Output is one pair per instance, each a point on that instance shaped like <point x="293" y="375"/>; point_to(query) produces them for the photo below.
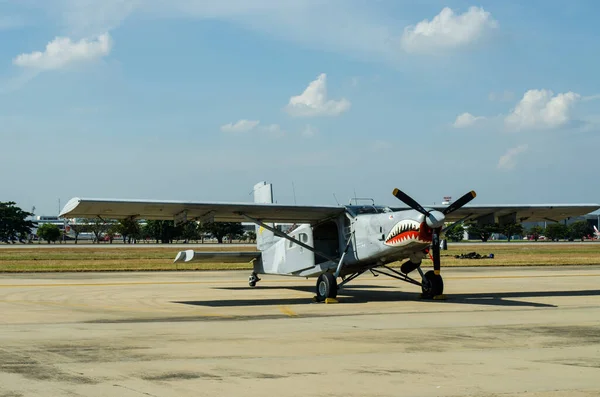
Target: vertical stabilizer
<point x="263" y="194"/>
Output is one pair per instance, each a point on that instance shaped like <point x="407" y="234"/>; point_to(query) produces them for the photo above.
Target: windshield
<point x="368" y="209"/>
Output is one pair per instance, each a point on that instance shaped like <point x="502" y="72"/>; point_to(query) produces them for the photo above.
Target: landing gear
<point x="253" y="279"/>
<point x="326" y="287"/>
<point x="433" y="285"/>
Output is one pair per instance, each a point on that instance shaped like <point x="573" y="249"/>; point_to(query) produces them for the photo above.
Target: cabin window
<point x="303" y="237"/>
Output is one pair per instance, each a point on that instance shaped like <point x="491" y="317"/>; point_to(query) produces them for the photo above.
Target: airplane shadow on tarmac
<point x="366" y="293"/>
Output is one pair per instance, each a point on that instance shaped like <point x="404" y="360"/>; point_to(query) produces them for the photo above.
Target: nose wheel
<point x="433" y="285"/>
<point x="326" y="287"/>
<point x="253" y="279"/>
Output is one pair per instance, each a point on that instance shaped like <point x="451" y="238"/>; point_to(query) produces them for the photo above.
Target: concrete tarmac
<point x="501" y="332"/>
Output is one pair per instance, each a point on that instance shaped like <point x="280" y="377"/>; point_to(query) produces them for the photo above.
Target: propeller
<point x="435" y="219"/>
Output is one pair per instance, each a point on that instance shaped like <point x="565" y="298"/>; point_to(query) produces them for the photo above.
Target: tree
<point x="456" y="233"/>
<point x="111" y="230"/>
<point x="190" y="231"/>
<point x="221" y="229"/>
<point x="483" y="231"/>
<point x="165" y="231"/>
<point x="557" y="231"/>
<point x="49" y="232"/>
<point x="128" y="228"/>
<point x="77" y="230"/>
<point x="96" y="226"/>
<point x="13" y="223"/>
<point x="580" y="229"/>
<point x="536" y="232"/>
<point x="510" y="229"/>
<point x="251" y="236"/>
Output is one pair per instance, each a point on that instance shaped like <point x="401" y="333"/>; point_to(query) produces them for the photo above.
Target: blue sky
<point x="199" y="100"/>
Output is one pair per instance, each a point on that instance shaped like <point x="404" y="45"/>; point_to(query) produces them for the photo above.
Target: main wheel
<point x="326" y="287"/>
<point x="253" y="279"/>
<point x="433" y="285"/>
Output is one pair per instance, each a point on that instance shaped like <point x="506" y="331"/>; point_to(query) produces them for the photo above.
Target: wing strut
<point x="282" y="234"/>
<point x="341" y="262"/>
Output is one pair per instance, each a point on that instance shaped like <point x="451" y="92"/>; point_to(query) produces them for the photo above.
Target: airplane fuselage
<point x="373" y="236"/>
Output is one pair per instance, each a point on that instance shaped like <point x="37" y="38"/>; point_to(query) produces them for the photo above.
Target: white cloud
<point x="309" y="131"/>
<point x="542" y="109"/>
<point x="274" y="130"/>
<point x="590" y="98"/>
<point x="61" y="52"/>
<point x="240" y="126"/>
<point x="313" y="101"/>
<point x="466" y="120"/>
<point x="508" y="161"/>
<point x="447" y="30"/>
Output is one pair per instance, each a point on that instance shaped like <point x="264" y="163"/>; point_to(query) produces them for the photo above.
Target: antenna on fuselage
<point x="294" y="190"/>
<point x="338" y="203"/>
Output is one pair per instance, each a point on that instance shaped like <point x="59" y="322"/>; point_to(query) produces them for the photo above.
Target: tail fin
<point x="263" y="194"/>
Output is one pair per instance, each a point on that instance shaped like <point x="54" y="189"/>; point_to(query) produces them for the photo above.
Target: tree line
<point x="14" y="226"/>
<point x="578" y="230"/>
<point x="160" y="231"/>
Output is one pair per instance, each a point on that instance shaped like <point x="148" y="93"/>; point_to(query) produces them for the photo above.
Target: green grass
<point x="71" y="259"/>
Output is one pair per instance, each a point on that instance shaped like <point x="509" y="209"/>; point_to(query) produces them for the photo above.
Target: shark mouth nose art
<point x="408" y="231"/>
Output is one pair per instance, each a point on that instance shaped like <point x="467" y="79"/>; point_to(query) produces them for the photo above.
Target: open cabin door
<point x="288" y="257"/>
<point x="297" y="257"/>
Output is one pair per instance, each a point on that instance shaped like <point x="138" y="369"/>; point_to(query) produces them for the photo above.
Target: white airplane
<point x="596" y="232"/>
<point x="330" y="242"/>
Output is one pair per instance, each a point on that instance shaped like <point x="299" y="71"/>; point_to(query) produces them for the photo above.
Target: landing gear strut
<point x="326" y="287"/>
<point x="253" y="279"/>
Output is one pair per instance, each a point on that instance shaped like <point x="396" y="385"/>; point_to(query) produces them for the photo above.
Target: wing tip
<point x="70" y="206"/>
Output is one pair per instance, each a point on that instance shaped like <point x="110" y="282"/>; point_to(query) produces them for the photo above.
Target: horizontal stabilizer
<point x="216" y="257"/>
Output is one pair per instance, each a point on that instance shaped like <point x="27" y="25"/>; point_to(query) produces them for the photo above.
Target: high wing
<point x="206" y="212"/>
<point x="519" y="213"/>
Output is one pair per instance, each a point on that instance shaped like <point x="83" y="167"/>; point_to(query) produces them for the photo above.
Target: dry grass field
<point x="90" y="258"/>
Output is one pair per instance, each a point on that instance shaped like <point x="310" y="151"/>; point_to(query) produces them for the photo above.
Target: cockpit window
<point x="368" y="209"/>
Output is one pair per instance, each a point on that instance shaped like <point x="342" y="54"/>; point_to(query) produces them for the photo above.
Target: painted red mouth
<point x="407" y="232"/>
<point x="411" y="234"/>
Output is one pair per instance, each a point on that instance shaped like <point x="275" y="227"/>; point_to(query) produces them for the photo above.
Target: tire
<point x="433" y="285"/>
<point x="253" y="279"/>
<point x="326" y="287"/>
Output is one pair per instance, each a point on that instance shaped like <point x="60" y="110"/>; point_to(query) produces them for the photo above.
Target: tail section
<point x="263" y="194"/>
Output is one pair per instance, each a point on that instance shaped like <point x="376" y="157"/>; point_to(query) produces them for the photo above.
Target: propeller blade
<point x="406" y="199"/>
<point x="460" y="202"/>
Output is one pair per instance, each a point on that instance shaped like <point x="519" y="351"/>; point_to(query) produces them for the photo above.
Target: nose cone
<point x="435" y="219"/>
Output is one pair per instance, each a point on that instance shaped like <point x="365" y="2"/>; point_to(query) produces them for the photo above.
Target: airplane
<point x="596" y="232"/>
<point x="330" y="242"/>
